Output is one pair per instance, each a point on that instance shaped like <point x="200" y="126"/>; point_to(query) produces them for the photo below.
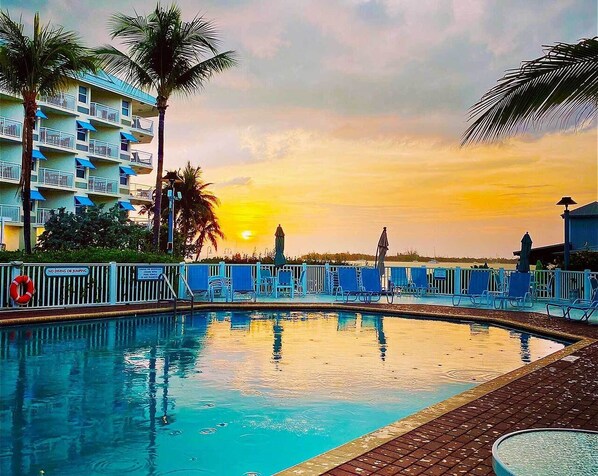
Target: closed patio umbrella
<point x="526" y="248"/>
<point x="279" y="259"/>
<point x="381" y="251"/>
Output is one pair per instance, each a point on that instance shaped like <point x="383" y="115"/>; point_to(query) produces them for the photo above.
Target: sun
<point x="247" y="234"/>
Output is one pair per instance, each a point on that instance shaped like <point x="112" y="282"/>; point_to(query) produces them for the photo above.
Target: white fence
<point x="76" y="284"/>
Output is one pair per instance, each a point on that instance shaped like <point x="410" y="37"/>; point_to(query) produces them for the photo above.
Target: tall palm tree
<point x="42" y="64"/>
<point x="560" y="86"/>
<point x="166" y="55"/>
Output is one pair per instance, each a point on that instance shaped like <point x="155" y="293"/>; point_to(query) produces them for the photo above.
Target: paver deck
<point x="559" y="391"/>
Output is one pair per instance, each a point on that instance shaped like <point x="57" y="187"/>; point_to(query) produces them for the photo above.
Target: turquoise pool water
<point x="228" y="393"/>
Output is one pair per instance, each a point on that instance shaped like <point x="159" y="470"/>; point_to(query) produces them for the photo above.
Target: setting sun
<point x="246" y="235"/>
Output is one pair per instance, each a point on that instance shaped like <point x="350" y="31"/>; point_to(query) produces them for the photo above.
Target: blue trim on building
<point x="86" y="125"/>
<point x="36" y="195"/>
<point x="129" y="137"/>
<point x="127" y="170"/>
<point x="85" y="201"/>
<point x="118" y="86"/>
<point x="126" y="206"/>
<point x="85" y="162"/>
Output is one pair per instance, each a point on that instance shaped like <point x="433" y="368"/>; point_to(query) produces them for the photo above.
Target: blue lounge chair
<point x="348" y="288"/>
<point x="242" y="282"/>
<point x="477" y="291"/>
<point x="398" y="280"/>
<point x="284" y="283"/>
<point x="583" y="308"/>
<point x="419" y="278"/>
<point x="198" y="276"/>
<point x="371" y="290"/>
<point x="518" y="293"/>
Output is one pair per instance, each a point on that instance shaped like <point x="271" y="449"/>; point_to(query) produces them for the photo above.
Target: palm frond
<point x="560" y="86"/>
<point x="195" y="77"/>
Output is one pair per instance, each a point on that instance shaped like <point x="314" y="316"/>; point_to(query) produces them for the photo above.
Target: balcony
<point x="103" y="149"/>
<point x="141" y="193"/>
<point x="105" y="113"/>
<point x="10" y="171"/>
<point x="62" y="101"/>
<point x="43" y="215"/>
<point x="102" y="185"/>
<point x="11" y="213"/>
<point x="10" y="129"/>
<point x="54" y="138"/>
<point x="55" y="178"/>
<point x="141" y="158"/>
<point x="145" y="126"/>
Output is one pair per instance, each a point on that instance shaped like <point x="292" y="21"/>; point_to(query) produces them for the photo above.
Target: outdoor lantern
<point x="566" y="201"/>
<point x="171" y="177"/>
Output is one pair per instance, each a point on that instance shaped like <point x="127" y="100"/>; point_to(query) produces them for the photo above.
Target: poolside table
<point x="546" y="452"/>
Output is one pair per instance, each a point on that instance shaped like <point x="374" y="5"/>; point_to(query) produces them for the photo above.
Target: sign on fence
<point x="149" y="273"/>
<point x="439" y="273"/>
<point x="60" y="271"/>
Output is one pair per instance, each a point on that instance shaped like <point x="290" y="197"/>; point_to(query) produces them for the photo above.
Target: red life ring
<point x="14" y="289"/>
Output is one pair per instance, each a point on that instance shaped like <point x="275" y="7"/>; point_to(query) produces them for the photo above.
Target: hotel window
<point x="81" y="134"/>
<point x="126" y="108"/>
<point x="80" y="171"/>
<point x="83" y="92"/>
<point x="33" y="165"/>
<point x="124" y="178"/>
<point x="124" y="145"/>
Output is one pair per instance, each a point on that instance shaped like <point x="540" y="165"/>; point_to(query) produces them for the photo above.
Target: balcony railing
<point x="103" y="149"/>
<point x="56" y="138"/>
<point x="106" y="113"/>
<point x="63" y="101"/>
<point x="10" y="171"/>
<point x="141" y="158"/>
<point x="58" y="178"/>
<point x="42" y="215"/>
<point x="141" y="192"/>
<point x="102" y="185"/>
<point x="10" y="128"/>
<point x="11" y="213"/>
<point x="142" y="124"/>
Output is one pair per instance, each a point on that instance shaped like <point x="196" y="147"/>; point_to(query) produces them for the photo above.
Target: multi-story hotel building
<point x="84" y="152"/>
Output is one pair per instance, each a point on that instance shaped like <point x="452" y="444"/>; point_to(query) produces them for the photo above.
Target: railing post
<point x="304" y="278"/>
<point x="222" y="269"/>
<point x="327" y="289"/>
<point x="457" y="284"/>
<point x="587" y="286"/>
<point x="112" y="283"/>
<point x="182" y="287"/>
<point x="258" y="276"/>
<point x="15" y="270"/>
<point x="558" y="283"/>
<point x="501" y="279"/>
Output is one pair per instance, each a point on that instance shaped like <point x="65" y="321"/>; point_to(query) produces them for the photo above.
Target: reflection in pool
<point x="229" y="393"/>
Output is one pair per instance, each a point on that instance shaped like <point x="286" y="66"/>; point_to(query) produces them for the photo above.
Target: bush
<point x="88" y="255"/>
<point x="581" y="260"/>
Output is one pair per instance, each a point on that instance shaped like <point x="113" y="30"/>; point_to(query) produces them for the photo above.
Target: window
<point x="124" y="145"/>
<point x="126" y="108"/>
<point x="79" y="209"/>
<point x="33" y="165"/>
<point x="81" y="134"/>
<point x="83" y="91"/>
<point x="80" y="171"/>
<point x="124" y="178"/>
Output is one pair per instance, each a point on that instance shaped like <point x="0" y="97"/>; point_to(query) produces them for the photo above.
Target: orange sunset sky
<point x="346" y="116"/>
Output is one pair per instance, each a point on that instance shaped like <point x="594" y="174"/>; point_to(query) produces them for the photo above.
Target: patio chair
<point x="477" y="291"/>
<point x="371" y="290"/>
<point x="198" y="280"/>
<point x="518" y="293"/>
<point x="540" y="289"/>
<point x="242" y="282"/>
<point x="586" y="307"/>
<point x="348" y="286"/>
<point x="284" y="283"/>
<point x="299" y="288"/>
<point x="266" y="282"/>
<point x="419" y="278"/>
<point x="398" y="280"/>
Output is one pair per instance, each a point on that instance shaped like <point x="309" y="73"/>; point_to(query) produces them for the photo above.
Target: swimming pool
<point x="229" y="393"/>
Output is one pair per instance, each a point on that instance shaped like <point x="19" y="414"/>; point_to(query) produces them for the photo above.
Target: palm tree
<point x="166" y="55"/>
<point x="42" y="64"/>
<point x="562" y="85"/>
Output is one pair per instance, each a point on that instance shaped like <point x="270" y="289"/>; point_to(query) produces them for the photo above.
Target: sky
<point x="345" y="116"/>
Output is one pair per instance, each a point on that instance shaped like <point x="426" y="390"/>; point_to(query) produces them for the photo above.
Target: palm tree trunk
<point x="30" y="107"/>
<point x="161" y="105"/>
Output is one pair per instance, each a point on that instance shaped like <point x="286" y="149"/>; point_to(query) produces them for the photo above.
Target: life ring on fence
<point x="14" y="289"/>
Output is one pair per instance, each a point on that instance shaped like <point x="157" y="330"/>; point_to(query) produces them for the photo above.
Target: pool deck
<point x="453" y="437"/>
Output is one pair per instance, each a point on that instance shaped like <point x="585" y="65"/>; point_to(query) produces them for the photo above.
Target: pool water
<point x="229" y="393"/>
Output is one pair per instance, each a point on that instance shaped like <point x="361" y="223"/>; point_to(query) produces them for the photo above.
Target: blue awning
<point x="37" y="155"/>
<point x="129" y="137"/>
<point x="35" y="195"/>
<point x="86" y="125"/>
<point x="40" y="113"/>
<point x="85" y="201"/>
<point x="126" y="206"/>
<point x="127" y="170"/>
<point x="85" y="162"/>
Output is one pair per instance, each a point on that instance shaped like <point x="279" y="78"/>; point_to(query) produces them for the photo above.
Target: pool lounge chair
<point x="477" y="290"/>
<point x="371" y="289"/>
<point x="348" y="288"/>
<point x="284" y="283"/>
<point x="242" y="282"/>
<point x="198" y="276"/>
<point x="583" y="308"/>
<point x="419" y="278"/>
<point x="398" y="280"/>
<point x="518" y="293"/>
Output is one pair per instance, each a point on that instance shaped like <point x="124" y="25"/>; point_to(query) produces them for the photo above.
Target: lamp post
<point x="566" y="201"/>
<point x="171" y="177"/>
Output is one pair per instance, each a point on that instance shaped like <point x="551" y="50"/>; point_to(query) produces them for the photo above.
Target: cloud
<point x="235" y="182"/>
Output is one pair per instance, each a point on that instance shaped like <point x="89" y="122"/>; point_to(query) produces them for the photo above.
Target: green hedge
<point x="91" y="255"/>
